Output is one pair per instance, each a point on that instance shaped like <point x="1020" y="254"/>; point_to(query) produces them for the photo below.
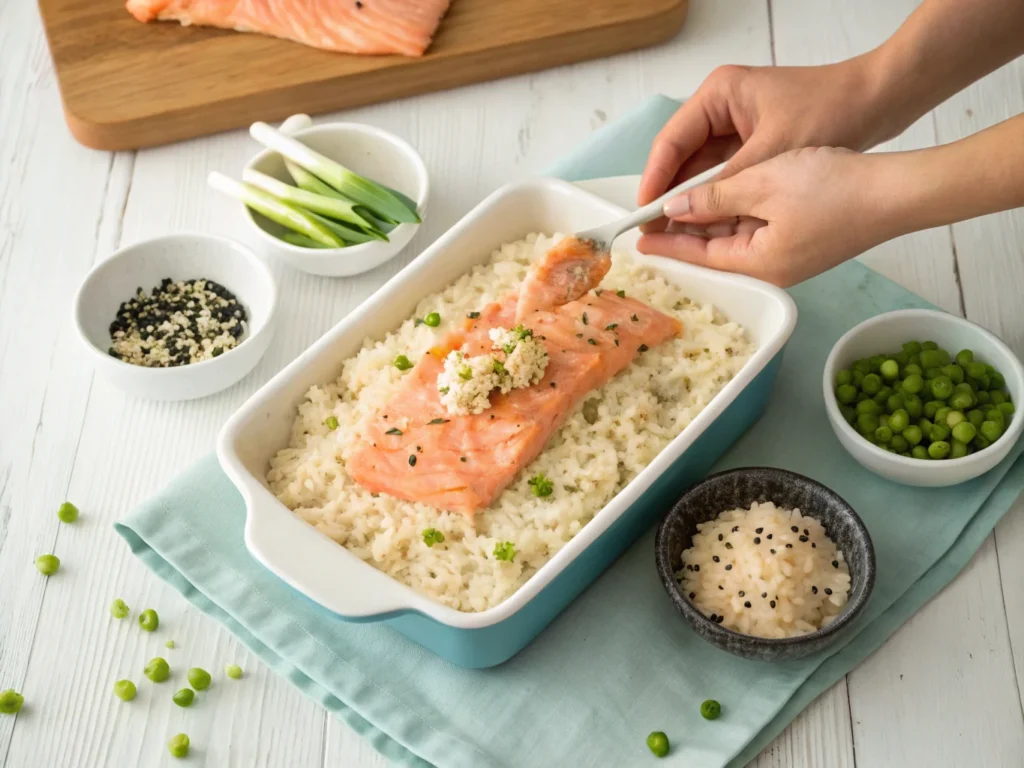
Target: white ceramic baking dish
<point x="327" y="573"/>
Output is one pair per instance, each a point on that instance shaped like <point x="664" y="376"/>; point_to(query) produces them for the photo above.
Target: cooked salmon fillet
<point x="347" y="26"/>
<point x="566" y="272"/>
<point x="414" y="449"/>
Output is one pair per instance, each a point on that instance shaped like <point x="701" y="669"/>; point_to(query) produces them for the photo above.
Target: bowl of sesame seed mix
<point x="177" y="317"/>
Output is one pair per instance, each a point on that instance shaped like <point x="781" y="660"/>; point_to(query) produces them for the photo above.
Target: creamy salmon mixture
<point x="472" y="562"/>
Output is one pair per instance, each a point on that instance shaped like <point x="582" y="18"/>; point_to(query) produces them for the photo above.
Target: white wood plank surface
<point x="944" y="691"/>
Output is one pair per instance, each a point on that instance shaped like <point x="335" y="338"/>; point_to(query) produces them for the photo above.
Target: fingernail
<point x="677" y="206"/>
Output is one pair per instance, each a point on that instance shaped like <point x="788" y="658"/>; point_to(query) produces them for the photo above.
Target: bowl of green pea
<point x="923" y="397"/>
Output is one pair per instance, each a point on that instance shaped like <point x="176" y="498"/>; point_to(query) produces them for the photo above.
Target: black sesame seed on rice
<point x="803" y="539"/>
<point x="757" y="539"/>
<point x="715" y="558"/>
<point x="746" y="604"/>
<point x="828" y="591"/>
<point x="772" y="603"/>
<point x="789" y="546"/>
<point x="728" y="545"/>
<point x="794" y="529"/>
<point x="728" y="567"/>
<point x="720" y="537"/>
<point x="759" y="530"/>
<point x="835" y="563"/>
<point x="742" y="593"/>
<point x="814" y="590"/>
<point x="693" y="595"/>
<point x="178" y="323"/>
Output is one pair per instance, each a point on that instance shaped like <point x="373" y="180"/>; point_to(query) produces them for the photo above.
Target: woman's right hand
<point x="750" y="114"/>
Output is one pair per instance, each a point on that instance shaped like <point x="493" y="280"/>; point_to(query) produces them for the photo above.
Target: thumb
<point x="717" y="200"/>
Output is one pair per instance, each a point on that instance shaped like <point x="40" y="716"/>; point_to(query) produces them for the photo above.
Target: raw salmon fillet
<point x="347" y="26"/>
<point x="415" y="450"/>
<point x="563" y="274"/>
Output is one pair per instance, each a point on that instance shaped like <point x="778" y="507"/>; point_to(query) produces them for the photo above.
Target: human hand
<point x="786" y="219"/>
<point x="750" y="114"/>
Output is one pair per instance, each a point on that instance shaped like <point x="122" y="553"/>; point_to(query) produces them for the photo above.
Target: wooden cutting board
<point x="125" y="84"/>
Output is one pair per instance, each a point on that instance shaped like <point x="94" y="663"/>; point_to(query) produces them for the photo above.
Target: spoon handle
<point x="653" y="210"/>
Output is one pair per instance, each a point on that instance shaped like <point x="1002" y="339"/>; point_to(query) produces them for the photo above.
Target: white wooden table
<point x="944" y="691"/>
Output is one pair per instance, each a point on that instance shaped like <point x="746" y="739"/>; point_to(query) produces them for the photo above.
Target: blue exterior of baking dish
<point x="494" y="644"/>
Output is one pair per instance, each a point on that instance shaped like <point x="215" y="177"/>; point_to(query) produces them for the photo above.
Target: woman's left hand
<point x="786" y="219"/>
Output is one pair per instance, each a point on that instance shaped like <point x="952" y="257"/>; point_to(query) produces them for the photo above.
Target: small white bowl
<point x="179" y="257"/>
<point x="370" y="152"/>
<point x="888" y="332"/>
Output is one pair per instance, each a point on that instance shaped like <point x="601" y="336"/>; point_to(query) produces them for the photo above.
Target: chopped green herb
<point x="438" y="421"/>
<point x="620" y="293"/>
<point x="417" y="323"/>
<point x="412" y="460"/>
<point x="472" y="315"/>
<point x="506" y="551"/>
<point x="403" y="363"/>
<point x="499" y="367"/>
<point x="541" y="485"/>
<point x="67" y="512"/>
<point x="119" y="608"/>
<point x="444" y="390"/>
<point x="611" y="327"/>
<point x="585" y="320"/>
<point x="432" y="536"/>
<point x="393" y="431"/>
<point x="433" y="320"/>
<point x="233" y="671"/>
<point x="465" y="372"/>
<point x="522" y="333"/>
<point x="331" y="422"/>
<point x="592" y="342"/>
<point x="643" y="348"/>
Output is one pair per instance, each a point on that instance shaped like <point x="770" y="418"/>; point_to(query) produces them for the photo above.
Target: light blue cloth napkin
<point x="619" y="662"/>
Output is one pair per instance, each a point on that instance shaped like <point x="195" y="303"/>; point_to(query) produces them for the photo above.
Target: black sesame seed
<point x="835" y="563"/>
<point x="769" y="536"/>
<point x="728" y="545"/>
<point x="813" y="545"/>
<point x="814" y="590"/>
<point x="764" y="594"/>
<point x="713" y="616"/>
<point x="720" y="537"/>
<point x="721" y="587"/>
<point x="746" y="604"/>
<point x="789" y="546"/>
<point x="693" y="595"/>
<point x="719" y="619"/>
<point x="715" y="558"/>
<point x="803" y="538"/>
<point x="828" y="591"/>
<point x="772" y="603"/>
<point x="757" y="539"/>
<point x="412" y="460"/>
<point x="742" y="593"/>
<point x="806" y="532"/>
<point x="772" y="551"/>
<point x="735" y="528"/>
<point x="728" y="567"/>
<point x="794" y="529"/>
<point x="759" y="530"/>
<point x="696" y="568"/>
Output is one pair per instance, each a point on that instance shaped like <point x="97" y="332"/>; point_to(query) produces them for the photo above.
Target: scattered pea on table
<point x="710" y="709"/>
<point x="149" y="620"/>
<point x="48" y="564"/>
<point x="199" y="678"/>
<point x="119" y="609"/>
<point x="657" y="742"/>
<point x="184" y="697"/>
<point x="158" y="670"/>
<point x="11" y="702"/>
<point x="124" y="690"/>
<point x="67" y="512"/>
<point x="178" y="745"/>
<point x="233" y="671"/>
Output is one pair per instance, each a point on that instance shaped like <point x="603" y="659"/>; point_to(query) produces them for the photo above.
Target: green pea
<point x="981" y="443"/>
<point x="67" y="512"/>
<point x="11" y="702"/>
<point x="872" y="384"/>
<point x="942" y="413"/>
<point x="931" y="373"/>
<point x="990" y="430"/>
<point x="48" y="564"/>
<point x="996" y="380"/>
<point x="919" y="452"/>
<point x="913" y="405"/>
<point x="913" y="434"/>
<point x="848" y="413"/>
<point x="994" y="414"/>
<point x="876" y="362"/>
<point x="912" y="347"/>
<point x="913" y="384"/>
<point x="915" y="360"/>
<point x="961" y="400"/>
<point x="894" y="402"/>
<point x="883" y="420"/>
<point x="984" y="382"/>
<point x="119" y="608"/>
<point x="869" y="406"/>
<point x="976" y="370"/>
<point x="957" y="450"/>
<point x="890" y="369"/>
<point x="954" y="417"/>
<point x="899" y="443"/>
<point x="433" y="320"/>
<point x="902" y="358"/>
<point x="925" y="425"/>
<point x="975" y="416"/>
<point x="331" y="422"/>
<point x="845" y="376"/>
<point x="964" y="357"/>
<point x="710" y="709"/>
<point x="954" y="372"/>
<point x="982" y="397"/>
<point x="864" y="366"/>
<point x="995" y="397"/>
<point x="938" y="433"/>
<point x="199" y="678"/>
<point x="912" y="369"/>
<point x="178" y="745"/>
<point x="157" y="670"/>
<point x="942" y="387"/>
<point x="184" y="697"/>
<point x="233" y="671"/>
<point x="899" y="420"/>
<point x="883" y="435"/>
<point x="1007" y="409"/>
<point x="934" y="358"/>
<point x="124" y="690"/>
<point x="149" y="620"/>
<point x="964" y="432"/>
<point x="403" y="363"/>
<point x="858" y="378"/>
<point x="846" y="393"/>
<point x="932" y="407"/>
<point x="867" y="423"/>
<point x="657" y="742"/>
<point x="939" y="449"/>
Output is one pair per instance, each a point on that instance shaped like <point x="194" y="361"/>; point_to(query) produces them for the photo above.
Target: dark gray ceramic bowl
<point x="739" y="488"/>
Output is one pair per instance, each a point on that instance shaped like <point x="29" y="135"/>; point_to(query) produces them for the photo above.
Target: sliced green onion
<point x="332" y="207"/>
<point x="350" y="235"/>
<point x="275" y="210"/>
<point x="377" y="198"/>
<point x="294" y="238"/>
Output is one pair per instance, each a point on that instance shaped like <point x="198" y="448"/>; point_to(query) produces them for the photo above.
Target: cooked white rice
<point x="604" y="444"/>
<point x="765" y="571"/>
